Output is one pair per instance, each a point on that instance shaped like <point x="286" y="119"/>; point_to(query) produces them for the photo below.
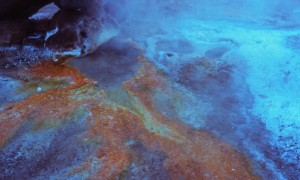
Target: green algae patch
<point x="150" y="122"/>
<point x="30" y="86"/>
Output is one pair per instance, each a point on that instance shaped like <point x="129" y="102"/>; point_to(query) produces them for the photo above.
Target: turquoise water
<point x="254" y="46"/>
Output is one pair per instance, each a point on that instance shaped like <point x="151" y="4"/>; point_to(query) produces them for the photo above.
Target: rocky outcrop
<point x="86" y="6"/>
<point x="78" y="28"/>
<point x="11" y="9"/>
<point x="78" y="34"/>
<point x="72" y="33"/>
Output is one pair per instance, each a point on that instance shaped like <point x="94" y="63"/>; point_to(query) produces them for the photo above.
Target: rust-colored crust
<point x="190" y="153"/>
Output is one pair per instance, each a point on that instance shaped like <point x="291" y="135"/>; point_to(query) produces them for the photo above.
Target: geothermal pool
<point x="185" y="90"/>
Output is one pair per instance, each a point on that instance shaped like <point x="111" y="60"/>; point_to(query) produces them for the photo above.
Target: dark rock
<point x="21" y="44"/>
<point x="11" y="9"/>
<point x="76" y="33"/>
<point x="36" y="40"/>
<point x="86" y="6"/>
<point x="13" y="32"/>
<point x="46" y="12"/>
<point x="75" y="30"/>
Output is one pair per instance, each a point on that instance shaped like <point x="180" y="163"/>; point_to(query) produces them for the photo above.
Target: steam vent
<point x="150" y="89"/>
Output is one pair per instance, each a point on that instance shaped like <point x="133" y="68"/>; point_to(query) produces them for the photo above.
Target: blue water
<point x="250" y="96"/>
